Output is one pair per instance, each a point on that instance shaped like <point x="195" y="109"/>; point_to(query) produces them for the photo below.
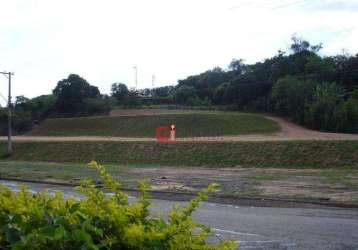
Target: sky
<point x="43" y="41"/>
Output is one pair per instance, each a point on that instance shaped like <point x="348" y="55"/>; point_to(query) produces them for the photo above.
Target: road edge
<point x="221" y="199"/>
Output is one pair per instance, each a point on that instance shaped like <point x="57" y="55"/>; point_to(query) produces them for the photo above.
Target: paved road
<point x="267" y="228"/>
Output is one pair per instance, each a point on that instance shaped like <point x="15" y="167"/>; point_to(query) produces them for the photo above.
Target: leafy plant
<point x="98" y="220"/>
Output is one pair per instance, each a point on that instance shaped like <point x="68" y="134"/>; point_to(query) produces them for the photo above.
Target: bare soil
<point x="255" y="182"/>
<point x="141" y="112"/>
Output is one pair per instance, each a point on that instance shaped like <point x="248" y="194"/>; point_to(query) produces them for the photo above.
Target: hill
<point x="188" y="124"/>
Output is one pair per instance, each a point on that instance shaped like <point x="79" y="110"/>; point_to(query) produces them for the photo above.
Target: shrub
<point x="98" y="221"/>
<point x="183" y="93"/>
<point x="326" y="110"/>
<point x="96" y="106"/>
<point x="21" y="122"/>
<point x="290" y="95"/>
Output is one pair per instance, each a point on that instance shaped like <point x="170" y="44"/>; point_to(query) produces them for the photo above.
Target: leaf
<point x="59" y="233"/>
<point x="80" y="235"/>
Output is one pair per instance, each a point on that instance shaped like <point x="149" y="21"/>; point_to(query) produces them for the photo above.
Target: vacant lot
<point x="188" y="125"/>
<point x="334" y="185"/>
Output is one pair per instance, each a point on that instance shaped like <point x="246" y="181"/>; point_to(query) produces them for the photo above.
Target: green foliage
<point x="21" y="121"/>
<point x="157" y="100"/>
<point x="299" y="45"/>
<point x="164" y="91"/>
<point x="40" y="107"/>
<point x="98" y="221"/>
<point x="119" y="91"/>
<point x="196" y="101"/>
<point x="322" y="106"/>
<point x="132" y="100"/>
<point x="287" y="81"/>
<point x="96" y="106"/>
<point x="184" y="93"/>
<point x="290" y="95"/>
<point x="75" y="97"/>
<point x="219" y="93"/>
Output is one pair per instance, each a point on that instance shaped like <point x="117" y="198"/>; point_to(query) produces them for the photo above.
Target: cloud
<point x="44" y="41"/>
<point x="331" y="5"/>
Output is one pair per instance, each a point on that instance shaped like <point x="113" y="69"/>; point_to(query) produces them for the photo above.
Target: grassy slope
<point x="192" y="124"/>
<point x="308" y="154"/>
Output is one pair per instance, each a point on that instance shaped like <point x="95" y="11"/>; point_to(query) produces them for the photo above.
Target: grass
<point x="66" y="172"/>
<point x="188" y="125"/>
<point x="285" y="154"/>
<point x="345" y="176"/>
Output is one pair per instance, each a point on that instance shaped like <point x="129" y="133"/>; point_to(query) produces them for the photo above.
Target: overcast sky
<point x="43" y="41"/>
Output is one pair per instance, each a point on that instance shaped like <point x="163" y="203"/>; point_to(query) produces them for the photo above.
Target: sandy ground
<point x="289" y="131"/>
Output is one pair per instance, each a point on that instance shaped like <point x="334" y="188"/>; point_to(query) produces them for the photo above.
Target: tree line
<point x="319" y="92"/>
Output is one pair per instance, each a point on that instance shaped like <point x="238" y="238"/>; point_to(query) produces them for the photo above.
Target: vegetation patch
<point x="284" y="154"/>
<point x="98" y="221"/>
<point x="188" y="125"/>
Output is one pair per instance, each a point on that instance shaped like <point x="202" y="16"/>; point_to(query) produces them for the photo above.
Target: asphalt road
<point x="265" y="228"/>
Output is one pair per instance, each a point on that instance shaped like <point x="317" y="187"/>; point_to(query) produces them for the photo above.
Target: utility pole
<point x="135" y="77"/>
<point x="152" y="90"/>
<point x="9" y="142"/>
<point x="153" y="80"/>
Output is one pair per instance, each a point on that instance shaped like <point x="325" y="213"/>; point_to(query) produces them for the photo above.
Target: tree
<point x="119" y="91"/>
<point x="132" y="99"/>
<point x="75" y="89"/>
<point x="290" y="96"/>
<point x="320" y="69"/>
<point x="183" y="93"/>
<point x="22" y="103"/>
<point x="42" y="107"/>
<point x="299" y="44"/>
<point x="71" y="94"/>
<point x="325" y="111"/>
<point x="219" y="93"/>
<point x="205" y="83"/>
<point x="164" y="91"/>
<point x="347" y="71"/>
<point x="238" y="66"/>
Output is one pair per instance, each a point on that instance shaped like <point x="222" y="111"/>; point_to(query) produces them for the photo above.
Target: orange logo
<point x="172" y="133"/>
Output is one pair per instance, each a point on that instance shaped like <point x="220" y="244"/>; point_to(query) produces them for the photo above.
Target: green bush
<point x="96" y="106"/>
<point x="290" y="96"/>
<point x="329" y="111"/>
<point x="21" y="121"/>
<point x="98" y="221"/>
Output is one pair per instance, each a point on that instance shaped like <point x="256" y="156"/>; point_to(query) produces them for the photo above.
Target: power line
<point x="288" y="4"/>
<point x="3" y="97"/>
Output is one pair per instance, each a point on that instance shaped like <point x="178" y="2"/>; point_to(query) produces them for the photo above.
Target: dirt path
<point x="141" y="112"/>
<point x="289" y="131"/>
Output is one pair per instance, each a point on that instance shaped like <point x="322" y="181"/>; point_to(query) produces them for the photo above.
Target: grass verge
<point x="188" y="125"/>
